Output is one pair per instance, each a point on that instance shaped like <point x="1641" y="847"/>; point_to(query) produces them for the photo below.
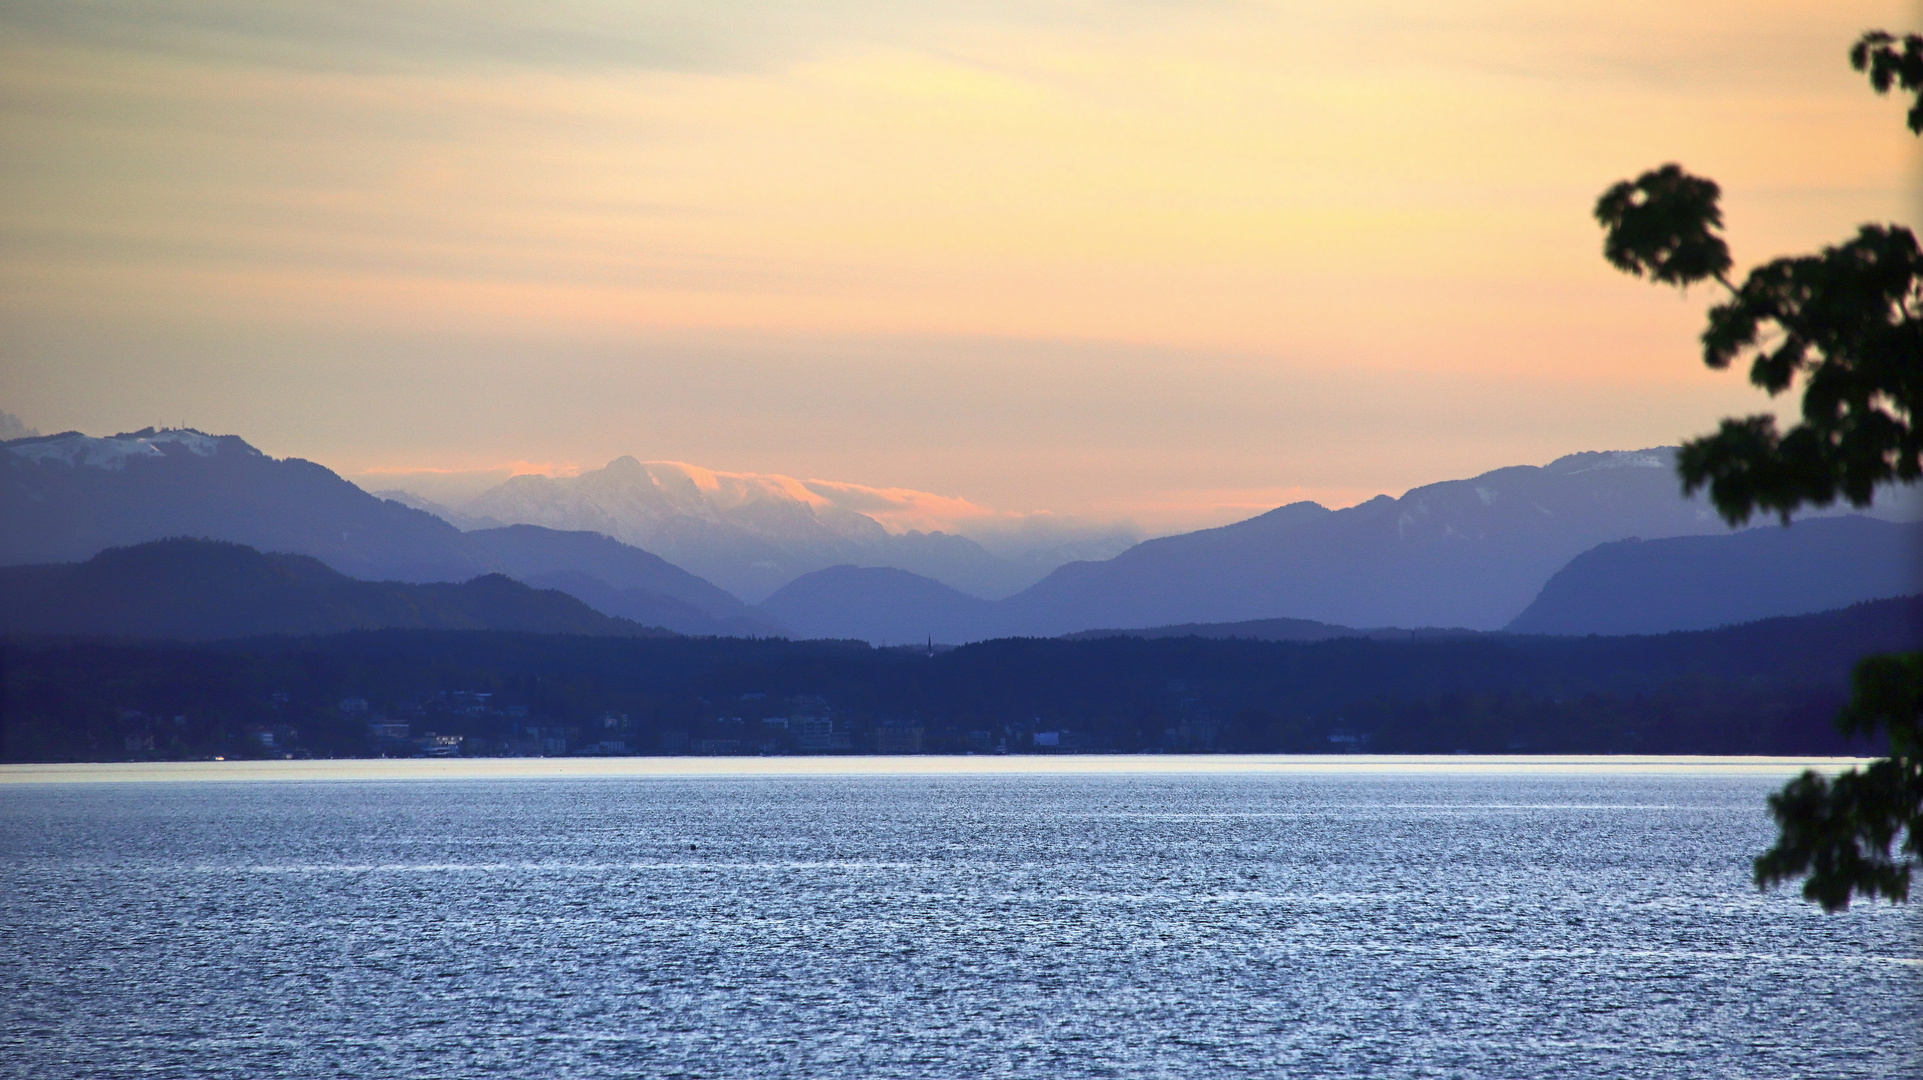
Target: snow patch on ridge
<point x="112" y="452"/>
<point x="1661" y="457"/>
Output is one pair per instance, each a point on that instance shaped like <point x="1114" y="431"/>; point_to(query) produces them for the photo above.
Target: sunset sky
<point x="1150" y="260"/>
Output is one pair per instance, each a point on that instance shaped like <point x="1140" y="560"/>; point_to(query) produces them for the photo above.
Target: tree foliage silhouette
<point x="1842" y="832"/>
<point x="1848" y="323"/>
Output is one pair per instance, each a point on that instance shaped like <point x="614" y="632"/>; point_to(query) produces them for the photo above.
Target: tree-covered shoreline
<point x="1763" y="688"/>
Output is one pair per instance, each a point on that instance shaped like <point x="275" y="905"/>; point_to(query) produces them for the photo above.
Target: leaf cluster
<point x="1893" y="63"/>
<point x="1663" y="225"/>
<point x="1861" y="833"/>
<point x="1849" y="322"/>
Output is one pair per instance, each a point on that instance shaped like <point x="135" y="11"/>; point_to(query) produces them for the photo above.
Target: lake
<point x="1044" y="917"/>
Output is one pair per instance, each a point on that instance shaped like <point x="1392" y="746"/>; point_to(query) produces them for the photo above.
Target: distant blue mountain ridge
<point x="1469" y="554"/>
<point x="1701" y="582"/>
<point x="187" y="589"/>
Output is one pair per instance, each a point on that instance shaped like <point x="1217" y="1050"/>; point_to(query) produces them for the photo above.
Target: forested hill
<point x="206" y="589"/>
<point x="1766" y="687"/>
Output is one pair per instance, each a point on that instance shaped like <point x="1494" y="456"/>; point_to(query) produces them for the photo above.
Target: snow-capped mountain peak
<point x="754" y="532"/>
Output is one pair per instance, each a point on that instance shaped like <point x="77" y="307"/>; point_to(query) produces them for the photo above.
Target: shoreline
<point x="568" y="768"/>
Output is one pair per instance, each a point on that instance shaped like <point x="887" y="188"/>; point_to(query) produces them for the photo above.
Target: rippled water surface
<point x="940" y="926"/>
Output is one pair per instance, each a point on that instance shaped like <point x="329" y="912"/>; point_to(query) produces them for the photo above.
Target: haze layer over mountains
<point x="1473" y="554"/>
<point x="752" y="534"/>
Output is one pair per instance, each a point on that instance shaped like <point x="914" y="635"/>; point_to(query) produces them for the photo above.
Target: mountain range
<point x="1502" y="550"/>
<point x="66" y="497"/>
<point x="1467" y="553"/>
<point x="1682" y="583"/>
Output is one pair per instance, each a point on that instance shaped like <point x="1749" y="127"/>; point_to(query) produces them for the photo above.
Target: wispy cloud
<point x="710" y="36"/>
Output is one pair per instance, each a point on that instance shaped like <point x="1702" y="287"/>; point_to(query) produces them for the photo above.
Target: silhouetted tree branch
<point x="1847" y="322"/>
<point x="1859" y="833"/>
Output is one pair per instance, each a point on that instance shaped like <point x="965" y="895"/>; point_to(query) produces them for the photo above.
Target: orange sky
<point x="1154" y="261"/>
